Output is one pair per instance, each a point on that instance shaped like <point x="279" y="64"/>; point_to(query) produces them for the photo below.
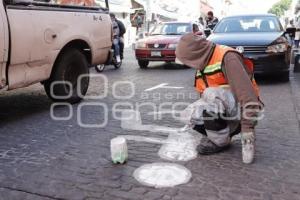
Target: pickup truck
<point x="52" y="44"/>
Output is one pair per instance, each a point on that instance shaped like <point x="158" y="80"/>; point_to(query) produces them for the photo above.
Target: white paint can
<point x="119" y="151"/>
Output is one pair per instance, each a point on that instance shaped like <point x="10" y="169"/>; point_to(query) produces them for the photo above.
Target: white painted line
<point x="173" y="87"/>
<point x="164" y="86"/>
<point x="132" y="121"/>
<point x="156" y="87"/>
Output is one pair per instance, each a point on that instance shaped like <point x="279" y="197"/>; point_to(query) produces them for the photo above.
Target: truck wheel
<point x="65" y="77"/>
<point x="143" y="64"/>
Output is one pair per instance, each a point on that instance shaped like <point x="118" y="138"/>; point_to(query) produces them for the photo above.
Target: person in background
<point x="121" y="37"/>
<point x="138" y="20"/>
<point x="292" y="28"/>
<point x="116" y="37"/>
<point x="211" y="20"/>
<point x="229" y="102"/>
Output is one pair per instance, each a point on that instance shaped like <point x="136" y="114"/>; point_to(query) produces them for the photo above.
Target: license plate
<point x="155" y="53"/>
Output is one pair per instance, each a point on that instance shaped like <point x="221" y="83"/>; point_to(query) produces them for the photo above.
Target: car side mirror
<point x="207" y="32"/>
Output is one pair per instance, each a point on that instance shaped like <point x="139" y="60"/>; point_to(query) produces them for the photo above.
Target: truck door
<point x="3" y="46"/>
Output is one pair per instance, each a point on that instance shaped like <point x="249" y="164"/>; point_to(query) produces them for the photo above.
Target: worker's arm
<point x="241" y="86"/>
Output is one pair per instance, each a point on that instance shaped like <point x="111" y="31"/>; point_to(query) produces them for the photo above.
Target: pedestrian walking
<point x="226" y="84"/>
<point x="138" y="21"/>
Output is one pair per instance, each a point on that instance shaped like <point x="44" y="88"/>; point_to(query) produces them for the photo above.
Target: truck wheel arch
<point x="80" y="45"/>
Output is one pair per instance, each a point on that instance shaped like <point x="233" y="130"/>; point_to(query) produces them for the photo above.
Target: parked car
<point x="161" y="42"/>
<point x="260" y="38"/>
<point x="50" y="43"/>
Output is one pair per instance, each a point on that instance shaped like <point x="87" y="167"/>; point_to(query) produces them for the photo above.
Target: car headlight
<point x="141" y="45"/>
<point x="172" y="46"/>
<point x="277" y="48"/>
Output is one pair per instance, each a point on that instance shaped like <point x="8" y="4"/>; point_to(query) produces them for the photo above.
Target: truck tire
<point x="70" y="65"/>
<point x="143" y="64"/>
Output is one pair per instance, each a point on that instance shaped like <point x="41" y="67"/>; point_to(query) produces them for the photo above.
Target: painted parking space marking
<point x="179" y="146"/>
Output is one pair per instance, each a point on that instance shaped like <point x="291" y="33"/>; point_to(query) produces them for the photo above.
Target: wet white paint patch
<point x="179" y="146"/>
<point x="161" y="175"/>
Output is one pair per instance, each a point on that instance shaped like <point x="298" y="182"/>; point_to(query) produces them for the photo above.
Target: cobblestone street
<point x="43" y="159"/>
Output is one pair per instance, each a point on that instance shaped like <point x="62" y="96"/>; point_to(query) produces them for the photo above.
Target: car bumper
<point x="145" y="54"/>
<point x="270" y="63"/>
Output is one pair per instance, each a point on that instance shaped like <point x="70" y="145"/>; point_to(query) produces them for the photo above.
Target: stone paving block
<point x="60" y="159"/>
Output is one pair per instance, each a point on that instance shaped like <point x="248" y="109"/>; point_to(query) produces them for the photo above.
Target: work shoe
<point x="207" y="147"/>
<point x="248" y="147"/>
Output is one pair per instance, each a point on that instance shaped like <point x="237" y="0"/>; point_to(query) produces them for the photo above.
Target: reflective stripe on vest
<point x="210" y="69"/>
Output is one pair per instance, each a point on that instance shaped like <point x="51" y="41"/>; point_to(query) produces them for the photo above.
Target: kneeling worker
<point x="227" y="87"/>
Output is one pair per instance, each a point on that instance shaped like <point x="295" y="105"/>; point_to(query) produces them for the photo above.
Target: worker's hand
<point x="248" y="147"/>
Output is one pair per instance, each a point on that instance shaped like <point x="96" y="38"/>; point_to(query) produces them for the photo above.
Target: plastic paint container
<point x="119" y="151"/>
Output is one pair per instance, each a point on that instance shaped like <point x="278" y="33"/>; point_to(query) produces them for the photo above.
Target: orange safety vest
<point x="213" y="76"/>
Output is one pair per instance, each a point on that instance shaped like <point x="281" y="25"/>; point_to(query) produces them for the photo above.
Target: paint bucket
<point x="119" y="151"/>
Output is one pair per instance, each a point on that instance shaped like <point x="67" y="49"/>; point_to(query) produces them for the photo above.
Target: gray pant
<point x="217" y="112"/>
